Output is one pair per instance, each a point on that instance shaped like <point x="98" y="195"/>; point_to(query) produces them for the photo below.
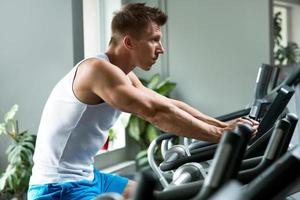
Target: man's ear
<point x="127" y="42"/>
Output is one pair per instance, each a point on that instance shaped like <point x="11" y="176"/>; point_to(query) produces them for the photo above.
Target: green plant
<point x="289" y="54"/>
<point x="15" y="179"/>
<point x="141" y="131"/>
<point x="112" y="134"/>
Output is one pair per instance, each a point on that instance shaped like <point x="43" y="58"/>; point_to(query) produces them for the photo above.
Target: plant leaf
<point x="2" y="128"/>
<point x="133" y="128"/>
<point x="112" y="134"/>
<point x="10" y="148"/>
<point x="10" y="183"/>
<point x="6" y="179"/>
<point x="142" y="159"/>
<point x="144" y="82"/>
<point x="153" y="81"/>
<point x="3" y="181"/>
<point x="10" y="126"/>
<point x="142" y="124"/>
<point x="142" y="162"/>
<point x="151" y="133"/>
<point x="14" y="156"/>
<point x="165" y="88"/>
<point x="141" y="154"/>
<point x="29" y="145"/>
<point x="11" y="114"/>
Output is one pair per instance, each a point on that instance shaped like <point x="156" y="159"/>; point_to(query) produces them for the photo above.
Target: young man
<point x="88" y="100"/>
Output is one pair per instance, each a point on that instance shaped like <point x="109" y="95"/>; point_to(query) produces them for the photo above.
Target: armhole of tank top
<point x="73" y="79"/>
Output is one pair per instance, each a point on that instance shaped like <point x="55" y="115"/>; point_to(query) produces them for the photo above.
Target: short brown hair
<point x="132" y="19"/>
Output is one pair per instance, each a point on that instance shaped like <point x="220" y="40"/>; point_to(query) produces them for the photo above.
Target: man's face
<point x="148" y="46"/>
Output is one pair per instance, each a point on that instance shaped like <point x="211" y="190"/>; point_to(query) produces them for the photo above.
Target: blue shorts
<point x="81" y="190"/>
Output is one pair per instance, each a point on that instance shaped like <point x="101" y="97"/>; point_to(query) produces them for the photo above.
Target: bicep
<point x="129" y="99"/>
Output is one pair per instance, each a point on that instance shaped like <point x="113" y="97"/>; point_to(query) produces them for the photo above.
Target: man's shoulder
<point x="94" y="65"/>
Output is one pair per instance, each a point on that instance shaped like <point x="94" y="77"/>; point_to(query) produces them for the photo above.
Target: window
<point x="280" y="17"/>
<point x="284" y="23"/>
<point x="97" y="16"/>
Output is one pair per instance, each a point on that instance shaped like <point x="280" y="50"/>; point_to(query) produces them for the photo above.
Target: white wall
<point x="215" y="48"/>
<point x="295" y="21"/>
<point x="36" y="50"/>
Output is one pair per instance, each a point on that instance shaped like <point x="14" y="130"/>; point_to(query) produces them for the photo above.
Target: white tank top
<point x="69" y="135"/>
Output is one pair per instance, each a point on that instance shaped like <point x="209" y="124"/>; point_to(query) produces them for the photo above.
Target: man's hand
<point x="243" y="120"/>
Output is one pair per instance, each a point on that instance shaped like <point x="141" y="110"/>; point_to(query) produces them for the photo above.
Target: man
<point x="88" y="100"/>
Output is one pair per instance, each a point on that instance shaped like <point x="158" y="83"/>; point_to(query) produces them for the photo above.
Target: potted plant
<point x="141" y="131"/>
<point x="14" y="181"/>
<point x="112" y="136"/>
<point x="283" y="55"/>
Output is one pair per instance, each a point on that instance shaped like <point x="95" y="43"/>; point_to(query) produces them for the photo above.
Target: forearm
<point x="197" y="114"/>
<point x="165" y="115"/>
<point x="174" y="120"/>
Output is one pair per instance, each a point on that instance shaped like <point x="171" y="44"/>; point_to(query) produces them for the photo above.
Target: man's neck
<point x="121" y="58"/>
